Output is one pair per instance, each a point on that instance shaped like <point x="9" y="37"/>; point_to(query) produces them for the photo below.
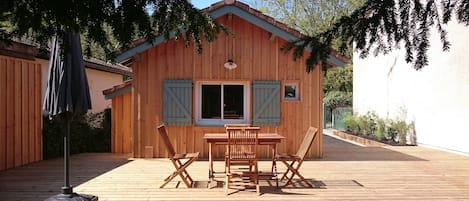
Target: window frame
<point x="220" y="122"/>
<point x="297" y="90"/>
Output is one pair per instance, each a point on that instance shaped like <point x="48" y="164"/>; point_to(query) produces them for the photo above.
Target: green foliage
<point x="309" y="16"/>
<point x="339" y="79"/>
<point x="351" y="123"/>
<point x="379" y="26"/>
<point x="128" y="20"/>
<point x="335" y="99"/>
<point x="381" y="129"/>
<point x="395" y="130"/>
<point x="367" y="123"/>
<point x="400" y="130"/>
<point x="338" y="87"/>
<point x="88" y="133"/>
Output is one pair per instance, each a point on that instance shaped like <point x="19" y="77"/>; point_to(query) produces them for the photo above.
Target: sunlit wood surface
<point x="347" y="172"/>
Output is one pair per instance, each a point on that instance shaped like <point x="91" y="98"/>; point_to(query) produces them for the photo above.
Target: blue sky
<point x="203" y="3"/>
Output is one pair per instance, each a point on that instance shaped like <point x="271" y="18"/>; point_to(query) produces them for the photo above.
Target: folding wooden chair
<point x="242" y="150"/>
<point x="176" y="159"/>
<point x="293" y="161"/>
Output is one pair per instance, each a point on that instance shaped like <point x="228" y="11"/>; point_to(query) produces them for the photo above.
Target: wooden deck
<point x="347" y="172"/>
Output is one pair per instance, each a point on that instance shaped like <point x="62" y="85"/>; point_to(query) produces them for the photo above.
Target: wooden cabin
<point x="244" y="78"/>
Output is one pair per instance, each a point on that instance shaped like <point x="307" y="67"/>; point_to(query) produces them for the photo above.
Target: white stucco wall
<point x="97" y="82"/>
<point x="436" y="98"/>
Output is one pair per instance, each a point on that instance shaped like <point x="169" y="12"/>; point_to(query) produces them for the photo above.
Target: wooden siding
<point x="121" y="125"/>
<point x="258" y="57"/>
<point x="20" y="112"/>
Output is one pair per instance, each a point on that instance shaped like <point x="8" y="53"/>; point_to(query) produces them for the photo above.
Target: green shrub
<point x="381" y="129"/>
<point x="351" y="123"/>
<point x="400" y="129"/>
<point x="367" y="123"/>
<point x="89" y="133"/>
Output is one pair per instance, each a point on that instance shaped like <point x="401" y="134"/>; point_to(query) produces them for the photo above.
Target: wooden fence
<point x="20" y="112"/>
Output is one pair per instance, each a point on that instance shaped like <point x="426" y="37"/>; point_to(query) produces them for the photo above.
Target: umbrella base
<point x="72" y="197"/>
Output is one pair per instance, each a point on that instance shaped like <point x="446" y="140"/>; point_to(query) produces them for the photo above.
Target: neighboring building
<point x="101" y="75"/>
<point x="198" y="93"/>
<point x="435" y="98"/>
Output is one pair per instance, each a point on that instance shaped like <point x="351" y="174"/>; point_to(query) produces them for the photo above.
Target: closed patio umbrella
<point x="67" y="95"/>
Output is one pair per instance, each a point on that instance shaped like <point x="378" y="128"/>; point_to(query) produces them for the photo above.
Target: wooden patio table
<point x="270" y="139"/>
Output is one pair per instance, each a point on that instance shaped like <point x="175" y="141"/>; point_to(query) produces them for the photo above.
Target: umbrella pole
<point x="67" y="189"/>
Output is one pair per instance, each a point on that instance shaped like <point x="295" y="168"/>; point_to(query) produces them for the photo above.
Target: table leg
<point x="274" y="148"/>
<point x="210" y="163"/>
<point x="274" y="164"/>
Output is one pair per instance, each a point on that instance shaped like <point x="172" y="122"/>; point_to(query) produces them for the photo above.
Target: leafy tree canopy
<point x="339" y="79"/>
<point x="39" y="20"/>
<point x="310" y="16"/>
<point x="378" y="26"/>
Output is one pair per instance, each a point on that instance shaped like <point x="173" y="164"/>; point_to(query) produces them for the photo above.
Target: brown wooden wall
<point x="258" y="57"/>
<point x="20" y="112"/>
<point x="121" y="125"/>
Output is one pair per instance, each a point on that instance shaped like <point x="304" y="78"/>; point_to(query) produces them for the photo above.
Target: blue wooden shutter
<point x="266" y="103"/>
<point x="177" y="102"/>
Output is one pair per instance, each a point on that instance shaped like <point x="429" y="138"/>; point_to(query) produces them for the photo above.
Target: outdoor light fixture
<point x="230" y="64"/>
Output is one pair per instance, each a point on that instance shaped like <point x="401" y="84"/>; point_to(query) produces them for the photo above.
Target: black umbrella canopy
<point x="67" y="95"/>
<point x="67" y="92"/>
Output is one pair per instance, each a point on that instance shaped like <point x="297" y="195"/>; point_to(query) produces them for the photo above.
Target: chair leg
<point x="294" y="171"/>
<point x="284" y="176"/>
<point x="181" y="171"/>
<point x="227" y="178"/>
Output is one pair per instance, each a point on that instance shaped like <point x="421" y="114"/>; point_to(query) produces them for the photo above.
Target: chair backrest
<point x="237" y="125"/>
<point x="165" y="139"/>
<point x="307" y="142"/>
<point x="242" y="142"/>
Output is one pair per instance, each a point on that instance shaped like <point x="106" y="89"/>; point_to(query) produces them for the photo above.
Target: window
<point x="291" y="91"/>
<point x="218" y="103"/>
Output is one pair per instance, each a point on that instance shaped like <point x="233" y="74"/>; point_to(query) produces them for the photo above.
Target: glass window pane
<point x="290" y="91"/>
<point x="211" y="101"/>
<point x="233" y="105"/>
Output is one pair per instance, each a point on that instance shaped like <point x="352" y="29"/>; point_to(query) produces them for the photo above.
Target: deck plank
<point x="347" y="172"/>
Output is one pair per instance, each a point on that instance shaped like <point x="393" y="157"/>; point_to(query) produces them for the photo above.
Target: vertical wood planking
<point x="126" y="123"/>
<point x="10" y="126"/>
<point x="38" y="92"/>
<point x="161" y="72"/>
<point x="3" y="113"/>
<point x="135" y="111"/>
<point x="20" y="123"/>
<point x="24" y="114"/>
<point x="17" y="113"/>
<point x="152" y="95"/>
<point x="144" y="126"/>
<point x="31" y="112"/>
<point x="114" y="122"/>
<point x="118" y="145"/>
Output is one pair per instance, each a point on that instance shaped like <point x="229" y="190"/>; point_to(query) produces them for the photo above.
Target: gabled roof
<point x="245" y="12"/>
<point x="107" y="67"/>
<point x="25" y="50"/>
